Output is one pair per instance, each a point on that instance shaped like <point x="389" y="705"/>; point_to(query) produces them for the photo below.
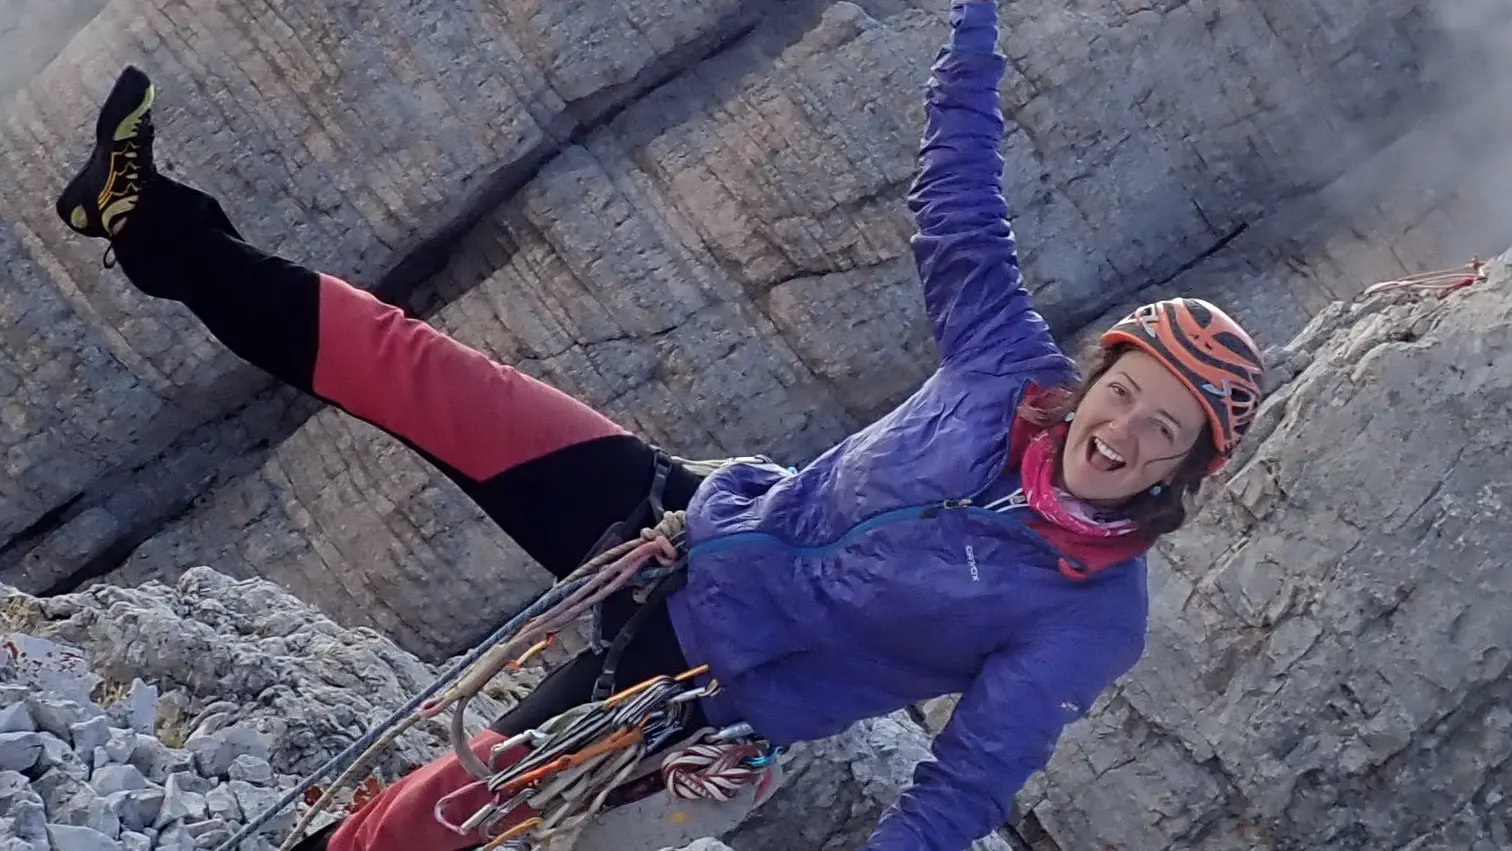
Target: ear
<point x="1170" y="479"/>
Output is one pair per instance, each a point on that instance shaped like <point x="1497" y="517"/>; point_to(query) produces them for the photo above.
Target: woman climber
<point x="986" y="537"/>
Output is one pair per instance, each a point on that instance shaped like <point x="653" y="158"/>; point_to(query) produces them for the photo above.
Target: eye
<point x="1118" y="389"/>
<point x="1167" y="432"/>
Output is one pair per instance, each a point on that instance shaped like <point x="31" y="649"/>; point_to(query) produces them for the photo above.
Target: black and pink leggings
<point x="553" y="473"/>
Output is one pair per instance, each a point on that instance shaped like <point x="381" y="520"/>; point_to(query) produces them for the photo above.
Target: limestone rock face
<point x="32" y="32"/>
<point x="690" y="215"/>
<point x="695" y="222"/>
<point x="356" y="138"/>
<point x="1328" y="663"/>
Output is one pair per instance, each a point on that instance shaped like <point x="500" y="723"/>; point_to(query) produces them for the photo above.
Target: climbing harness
<point x="553" y="780"/>
<point x="626" y="564"/>
<point x="1441" y="282"/>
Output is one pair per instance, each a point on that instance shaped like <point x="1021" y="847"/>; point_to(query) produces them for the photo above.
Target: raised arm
<point x="965" y="251"/>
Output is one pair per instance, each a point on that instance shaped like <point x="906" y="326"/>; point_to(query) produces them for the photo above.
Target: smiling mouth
<point x="1103" y="457"/>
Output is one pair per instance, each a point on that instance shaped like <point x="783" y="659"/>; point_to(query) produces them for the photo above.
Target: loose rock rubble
<point x="167" y="718"/>
<point x="76" y="776"/>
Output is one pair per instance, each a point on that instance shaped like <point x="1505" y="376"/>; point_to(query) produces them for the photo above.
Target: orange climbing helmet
<point x="1210" y="353"/>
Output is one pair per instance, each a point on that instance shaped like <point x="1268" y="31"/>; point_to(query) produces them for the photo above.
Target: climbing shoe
<point x="96" y="202"/>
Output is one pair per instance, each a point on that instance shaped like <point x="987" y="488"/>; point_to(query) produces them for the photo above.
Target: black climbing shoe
<point x="96" y="201"/>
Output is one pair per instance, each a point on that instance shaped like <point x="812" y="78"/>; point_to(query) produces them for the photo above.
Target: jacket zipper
<point x="933" y="511"/>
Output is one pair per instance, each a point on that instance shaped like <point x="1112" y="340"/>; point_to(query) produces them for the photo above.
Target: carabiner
<point x="765" y="759"/>
<point x="439" y="811"/>
<point x="734" y="731"/>
<point x="513" y="832"/>
<point x="486" y="827"/>
<point x="534" y="737"/>
<point x="687" y="696"/>
<point x="534" y="649"/>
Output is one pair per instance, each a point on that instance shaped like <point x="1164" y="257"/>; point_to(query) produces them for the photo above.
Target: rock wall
<point x="1328" y="662"/>
<point x="722" y="264"/>
<point x="354" y="138"/>
<point x="1328" y="631"/>
<point x="33" y="31"/>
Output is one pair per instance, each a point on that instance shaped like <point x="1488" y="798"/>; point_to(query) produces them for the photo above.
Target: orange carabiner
<point x="535" y="649"/>
<point x="512" y="833"/>
<point x="692" y="673"/>
<point x="618" y="740"/>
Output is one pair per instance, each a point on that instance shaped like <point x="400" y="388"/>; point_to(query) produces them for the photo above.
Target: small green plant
<point x="107" y="693"/>
<point x="20" y="613"/>
<point x="173" y="726"/>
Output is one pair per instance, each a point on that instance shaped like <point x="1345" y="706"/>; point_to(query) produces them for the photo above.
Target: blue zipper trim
<point x="923" y="511"/>
<point x="895" y="515"/>
<point x="864" y="527"/>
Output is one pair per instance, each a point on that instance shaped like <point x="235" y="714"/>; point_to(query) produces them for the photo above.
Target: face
<point x="1131" y="431"/>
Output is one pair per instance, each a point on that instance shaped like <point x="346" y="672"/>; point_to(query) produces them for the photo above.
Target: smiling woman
<point x="1135" y="426"/>
<point x="1168" y="393"/>
<point x="1019" y="540"/>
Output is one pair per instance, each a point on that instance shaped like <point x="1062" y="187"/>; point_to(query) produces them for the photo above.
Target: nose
<point x="1124" y="424"/>
<point x="1130" y="425"/>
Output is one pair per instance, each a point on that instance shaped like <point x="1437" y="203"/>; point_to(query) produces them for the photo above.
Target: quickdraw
<point x="572" y="765"/>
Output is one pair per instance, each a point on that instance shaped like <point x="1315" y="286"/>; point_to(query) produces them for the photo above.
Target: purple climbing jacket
<point x="862" y="584"/>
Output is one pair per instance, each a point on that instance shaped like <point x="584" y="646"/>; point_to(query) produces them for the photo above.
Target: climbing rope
<point x="713" y="771"/>
<point x="1441" y="282"/>
<point x="605" y="575"/>
<point x="533" y="628"/>
<point x="383" y="734"/>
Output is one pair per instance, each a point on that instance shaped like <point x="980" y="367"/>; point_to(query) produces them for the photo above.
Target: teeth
<point x="1106" y="451"/>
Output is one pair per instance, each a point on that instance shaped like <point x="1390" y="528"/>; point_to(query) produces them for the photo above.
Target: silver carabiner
<point x="534" y="737"/>
<point x="439" y="810"/>
<point x="734" y="731"/>
<point x="486" y="827"/>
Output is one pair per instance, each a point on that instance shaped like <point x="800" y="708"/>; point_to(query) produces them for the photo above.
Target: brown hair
<point x="1155" y="514"/>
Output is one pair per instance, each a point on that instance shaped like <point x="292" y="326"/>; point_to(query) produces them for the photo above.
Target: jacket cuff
<point x="973" y="25"/>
